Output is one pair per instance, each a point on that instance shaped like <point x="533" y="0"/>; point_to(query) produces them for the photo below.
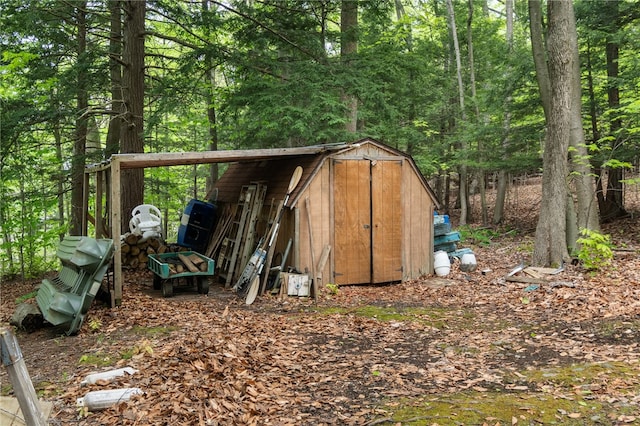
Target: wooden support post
<point x="19" y="377"/>
<point x="318" y="279"/>
<point x="98" y="210"/>
<point x="85" y="204"/>
<point x="314" y="288"/>
<point x="116" y="297"/>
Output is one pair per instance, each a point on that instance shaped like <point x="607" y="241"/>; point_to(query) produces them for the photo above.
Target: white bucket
<point x="441" y="263"/>
<point x="468" y="262"/>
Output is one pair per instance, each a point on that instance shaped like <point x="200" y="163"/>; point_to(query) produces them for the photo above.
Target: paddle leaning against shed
<point x="249" y="282"/>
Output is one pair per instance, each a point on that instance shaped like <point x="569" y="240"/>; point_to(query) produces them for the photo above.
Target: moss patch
<point x="434" y="317"/>
<point x="152" y="331"/>
<point x="98" y="359"/>
<point x="468" y="408"/>
<point x="568" y="395"/>
<point x="585" y="379"/>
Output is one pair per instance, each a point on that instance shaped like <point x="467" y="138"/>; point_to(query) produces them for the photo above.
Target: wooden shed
<point x="364" y="204"/>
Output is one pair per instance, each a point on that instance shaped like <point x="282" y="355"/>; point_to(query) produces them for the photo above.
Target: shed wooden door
<point x="367" y="221"/>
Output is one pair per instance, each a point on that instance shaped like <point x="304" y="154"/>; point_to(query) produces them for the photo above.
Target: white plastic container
<point x="297" y="284"/>
<point x="468" y="262"/>
<point x="107" y="375"/>
<point x="103" y="399"/>
<point x="441" y="263"/>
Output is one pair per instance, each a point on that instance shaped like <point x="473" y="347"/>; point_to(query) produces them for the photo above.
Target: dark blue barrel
<point x="196" y="225"/>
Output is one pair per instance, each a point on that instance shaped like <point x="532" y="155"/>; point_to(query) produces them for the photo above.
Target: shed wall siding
<point x="317" y="192"/>
<point x="418" y="227"/>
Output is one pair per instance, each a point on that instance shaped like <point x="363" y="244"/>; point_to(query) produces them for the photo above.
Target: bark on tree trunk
<point x="211" y="106"/>
<point x="59" y="178"/>
<point x="348" y="48"/>
<point x="112" y="145"/>
<point x="132" y="188"/>
<point x="463" y="195"/>
<point x="613" y="203"/>
<point x="539" y="56"/>
<point x="79" y="145"/>
<point x="501" y="191"/>
<point x="583" y="182"/>
<point x="550" y="248"/>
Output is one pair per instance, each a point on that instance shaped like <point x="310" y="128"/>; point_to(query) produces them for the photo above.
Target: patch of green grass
<point x="5" y="390"/>
<point x="98" y="359"/>
<point x="128" y="353"/>
<point x="152" y="331"/>
<point x="25" y="297"/>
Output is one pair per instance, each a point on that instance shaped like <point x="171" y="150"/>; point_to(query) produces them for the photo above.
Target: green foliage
<point x="334" y="289"/>
<point x="272" y="75"/>
<point x="476" y="235"/>
<point x="25" y="297"/>
<point x="595" y="250"/>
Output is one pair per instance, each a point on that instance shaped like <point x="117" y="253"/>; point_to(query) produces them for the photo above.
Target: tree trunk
<point x="112" y="145"/>
<point x="613" y="203"/>
<point x="463" y="195"/>
<point x="474" y="99"/>
<point x="501" y="190"/>
<point x="348" y="49"/>
<point x="82" y="106"/>
<point x="539" y="56"/>
<point x="59" y="177"/>
<point x="550" y="248"/>
<point x="132" y="188"/>
<point x="211" y="107"/>
<point x="583" y="182"/>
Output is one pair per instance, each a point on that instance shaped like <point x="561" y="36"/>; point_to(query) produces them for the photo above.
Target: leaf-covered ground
<point x="470" y="348"/>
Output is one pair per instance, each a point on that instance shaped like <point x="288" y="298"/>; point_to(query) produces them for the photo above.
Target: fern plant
<point x="595" y="250"/>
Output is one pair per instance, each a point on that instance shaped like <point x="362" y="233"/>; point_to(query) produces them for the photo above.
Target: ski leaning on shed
<point x="249" y="281"/>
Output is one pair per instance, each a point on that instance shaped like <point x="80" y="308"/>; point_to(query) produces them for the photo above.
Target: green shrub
<point x="478" y="236"/>
<point x="595" y="249"/>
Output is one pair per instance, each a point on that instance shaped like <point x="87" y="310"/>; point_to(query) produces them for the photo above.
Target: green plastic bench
<point x="67" y="297"/>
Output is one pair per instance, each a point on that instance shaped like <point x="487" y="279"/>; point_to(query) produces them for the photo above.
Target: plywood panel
<point x="352" y="222"/>
<point x="387" y="209"/>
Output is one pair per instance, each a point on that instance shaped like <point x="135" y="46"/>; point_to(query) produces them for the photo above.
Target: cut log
<point x="155" y="243"/>
<point x="188" y="263"/>
<point x="195" y="259"/>
<point x="132" y="239"/>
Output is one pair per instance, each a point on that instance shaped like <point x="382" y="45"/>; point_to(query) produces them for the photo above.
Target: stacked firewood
<point x="182" y="263"/>
<point x="135" y="252"/>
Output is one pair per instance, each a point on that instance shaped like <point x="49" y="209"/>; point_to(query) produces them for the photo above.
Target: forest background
<point x="452" y="83"/>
